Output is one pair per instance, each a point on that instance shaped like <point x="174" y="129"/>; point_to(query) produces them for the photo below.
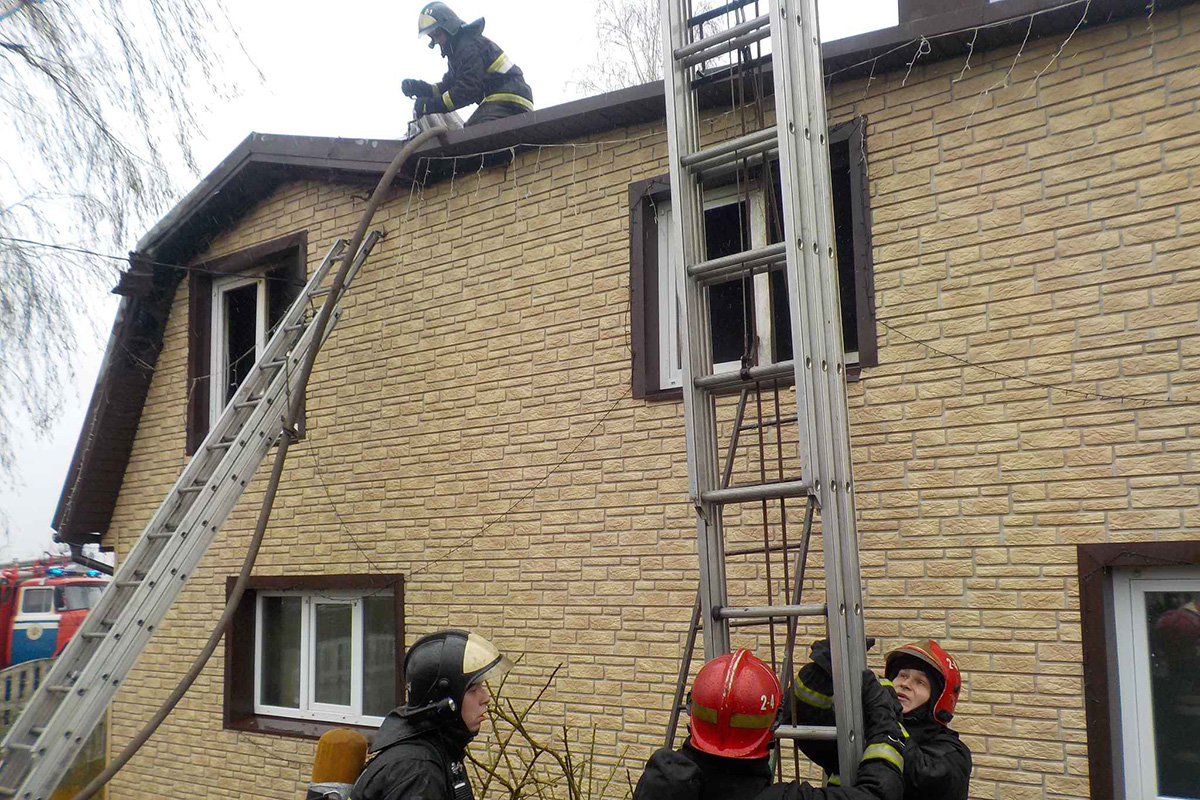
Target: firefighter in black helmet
<point x="420" y="746"/>
<point x="480" y="72"/>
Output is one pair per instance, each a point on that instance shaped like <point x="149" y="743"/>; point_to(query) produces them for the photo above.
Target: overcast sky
<point x="335" y="70"/>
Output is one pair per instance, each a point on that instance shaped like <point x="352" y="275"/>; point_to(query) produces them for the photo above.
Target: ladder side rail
<point x="68" y="728"/>
<point x="79" y="649"/>
<point x="217" y="506"/>
<point x="686" y="245"/>
<point x="806" y="131"/>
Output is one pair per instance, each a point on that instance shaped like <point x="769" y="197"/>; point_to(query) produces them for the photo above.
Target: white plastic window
<point x="1157" y="620"/>
<point x="327" y="657"/>
<point x="734" y="305"/>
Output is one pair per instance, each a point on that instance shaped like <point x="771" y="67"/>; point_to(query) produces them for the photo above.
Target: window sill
<point x="292" y="728"/>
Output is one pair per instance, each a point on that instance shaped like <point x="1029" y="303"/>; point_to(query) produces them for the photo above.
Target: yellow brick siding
<point x="1045" y="236"/>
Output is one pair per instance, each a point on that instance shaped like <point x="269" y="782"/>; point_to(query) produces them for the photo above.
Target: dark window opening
<point x="732" y="303"/>
<point x="240" y="313"/>
<point x="283" y="263"/>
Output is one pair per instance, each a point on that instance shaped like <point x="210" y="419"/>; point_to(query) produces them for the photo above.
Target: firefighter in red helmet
<point x="733" y="705"/>
<point x="927" y="680"/>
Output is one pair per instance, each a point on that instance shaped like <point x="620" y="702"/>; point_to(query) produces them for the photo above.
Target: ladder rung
<point x="224" y="444"/>
<point x="758" y="550"/>
<point x="759" y="612"/>
<point x="273" y="363"/>
<point x="731" y="150"/>
<point x="725" y="267"/>
<point x="127" y="584"/>
<point x="813" y="732"/>
<point x="720" y="11"/>
<point x="768" y="423"/>
<point x="58" y="688"/>
<point x="160" y="535"/>
<point x="7" y="792"/>
<point x="721" y="43"/>
<point x="94" y="635"/>
<point x="320" y="292"/>
<point x="251" y="403"/>
<point x="28" y="748"/>
<point x="37" y="731"/>
<point x="749" y="494"/>
<point x="733" y="379"/>
<point x="190" y="489"/>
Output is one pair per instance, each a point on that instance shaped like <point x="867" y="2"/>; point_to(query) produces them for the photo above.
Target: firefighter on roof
<point x="419" y="748"/>
<point x="937" y="765"/>
<point x="480" y="72"/>
<point x="733" y="704"/>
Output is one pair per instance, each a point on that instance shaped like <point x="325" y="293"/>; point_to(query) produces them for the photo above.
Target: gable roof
<point x="263" y="161"/>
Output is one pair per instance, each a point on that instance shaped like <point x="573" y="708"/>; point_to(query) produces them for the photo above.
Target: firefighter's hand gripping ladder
<point x="807" y="250"/>
<point x="74" y="695"/>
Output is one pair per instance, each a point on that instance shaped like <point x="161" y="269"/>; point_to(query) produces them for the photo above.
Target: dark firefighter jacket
<point x="937" y="765"/>
<point x="480" y="72"/>
<point x="689" y="774"/>
<point x="415" y="761"/>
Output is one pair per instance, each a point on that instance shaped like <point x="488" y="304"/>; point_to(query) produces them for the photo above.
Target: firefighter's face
<point x="475" y="706"/>
<point x="912" y="688"/>
<point x="439" y="36"/>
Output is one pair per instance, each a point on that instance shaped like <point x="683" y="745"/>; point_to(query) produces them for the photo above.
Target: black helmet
<point x="441" y="667"/>
<point x="437" y="16"/>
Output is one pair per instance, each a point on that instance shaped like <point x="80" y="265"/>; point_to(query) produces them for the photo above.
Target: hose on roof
<point x="285" y="441"/>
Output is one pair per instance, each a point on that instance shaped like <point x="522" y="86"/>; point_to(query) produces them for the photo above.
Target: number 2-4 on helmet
<point x="732" y="705"/>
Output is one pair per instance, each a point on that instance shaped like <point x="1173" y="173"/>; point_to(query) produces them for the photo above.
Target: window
<point x="37" y="600"/>
<point x="1141" y="668"/>
<point x="749" y="317"/>
<point x="77" y="596"/>
<point x="1157" y="624"/>
<point x="311" y="653"/>
<point x="239" y="336"/>
<point x="235" y="301"/>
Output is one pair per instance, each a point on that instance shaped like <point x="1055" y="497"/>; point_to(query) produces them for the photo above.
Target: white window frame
<point x="1133" y="670"/>
<point x="217" y="341"/>
<point x="670" y="287"/>
<point x="43" y="590"/>
<point x="310" y="709"/>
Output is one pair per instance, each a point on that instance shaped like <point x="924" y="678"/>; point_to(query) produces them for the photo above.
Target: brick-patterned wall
<point x="1045" y="235"/>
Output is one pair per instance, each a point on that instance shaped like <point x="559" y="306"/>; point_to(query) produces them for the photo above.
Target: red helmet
<point x="733" y="704"/>
<point x="941" y="663"/>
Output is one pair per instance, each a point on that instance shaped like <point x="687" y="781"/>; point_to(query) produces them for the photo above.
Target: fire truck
<point x="42" y="604"/>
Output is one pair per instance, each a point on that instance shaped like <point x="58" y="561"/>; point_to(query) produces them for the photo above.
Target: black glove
<point x="821" y="654"/>
<point x="881" y="711"/>
<point x="416" y="88"/>
<point x="428" y="105"/>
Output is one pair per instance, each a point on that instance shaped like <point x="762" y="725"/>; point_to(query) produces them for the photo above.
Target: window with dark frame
<point x="748" y="316"/>
<point x="234" y="303"/>
<point x="1141" y="654"/>
<point x="306" y="654"/>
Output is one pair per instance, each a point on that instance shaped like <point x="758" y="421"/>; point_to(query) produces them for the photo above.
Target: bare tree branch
<point x="102" y="100"/>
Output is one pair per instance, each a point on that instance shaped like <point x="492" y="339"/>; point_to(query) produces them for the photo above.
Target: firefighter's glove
<point x="883" y="734"/>
<point x="416" y="88"/>
<point x="821" y="654"/>
<point x="423" y="106"/>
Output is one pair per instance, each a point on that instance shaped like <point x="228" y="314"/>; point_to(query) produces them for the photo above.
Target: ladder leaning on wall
<point x="74" y="695"/>
<point x="808" y="256"/>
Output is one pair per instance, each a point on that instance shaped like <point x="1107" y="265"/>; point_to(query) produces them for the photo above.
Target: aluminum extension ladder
<point x="807" y="251"/>
<point x="74" y="695"/>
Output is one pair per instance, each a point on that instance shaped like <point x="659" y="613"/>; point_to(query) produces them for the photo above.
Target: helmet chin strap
<point x="446" y="704"/>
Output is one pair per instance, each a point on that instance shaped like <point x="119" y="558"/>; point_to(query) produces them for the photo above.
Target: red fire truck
<point x="42" y="604"/>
